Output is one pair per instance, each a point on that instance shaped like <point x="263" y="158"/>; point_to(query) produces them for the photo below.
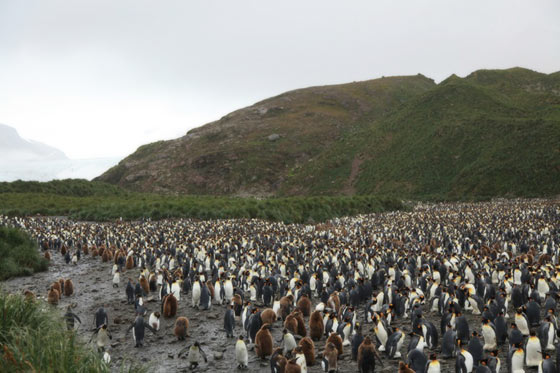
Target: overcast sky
<point x="99" y="78"/>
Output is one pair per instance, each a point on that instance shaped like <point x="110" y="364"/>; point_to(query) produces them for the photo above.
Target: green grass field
<point x="105" y="202"/>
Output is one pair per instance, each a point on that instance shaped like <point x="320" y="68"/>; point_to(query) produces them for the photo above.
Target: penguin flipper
<point x="203" y="354"/>
<point x="150" y="327"/>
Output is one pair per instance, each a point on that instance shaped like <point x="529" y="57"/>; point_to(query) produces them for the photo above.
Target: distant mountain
<point x="22" y="159"/>
<point x="13" y="147"/>
<point x="492" y="133"/>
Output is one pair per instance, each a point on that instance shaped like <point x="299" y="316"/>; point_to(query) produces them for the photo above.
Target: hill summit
<point x="492" y="133"/>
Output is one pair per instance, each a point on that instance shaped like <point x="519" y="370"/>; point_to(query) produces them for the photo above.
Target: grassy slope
<point x="67" y="187"/>
<point x="18" y="254"/>
<point x="494" y="133"/>
<point x="234" y="155"/>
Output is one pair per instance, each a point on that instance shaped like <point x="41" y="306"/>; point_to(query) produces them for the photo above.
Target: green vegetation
<point x="18" y="254"/>
<point x="68" y="187"/>
<point x="234" y="155"/>
<point x="34" y="339"/>
<point x="134" y="206"/>
<point x="494" y="133"/>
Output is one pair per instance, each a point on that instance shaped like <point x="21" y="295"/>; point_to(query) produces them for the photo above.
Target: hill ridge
<point x="353" y="138"/>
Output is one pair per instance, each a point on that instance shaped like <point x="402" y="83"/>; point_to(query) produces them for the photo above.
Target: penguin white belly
<point x="381" y="334"/>
<point x="217" y="291"/>
<point x="176" y="290"/>
<point x="517" y="277"/>
<point x="276" y="307"/>
<point x="312" y="284"/>
<point x="196" y="295"/>
<point x="517" y="362"/>
<point x="522" y="325"/>
<point x="550" y="340"/>
<point x="346" y="332"/>
<point x="228" y="290"/>
<point x="244" y="316"/>
<point x="474" y="307"/>
<point x="102" y="339"/>
<point x="469" y="362"/>
<point x="153" y="321"/>
<point x="489" y="338"/>
<point x="194" y="355"/>
<point x="300" y="360"/>
<point x="241" y="354"/>
<point x="334" y="325"/>
<point x="533" y="351"/>
<point x="319" y="307"/>
<point x="435" y="305"/>
<point x="379" y="304"/>
<point x="434" y="367"/>
<point x="107" y="358"/>
<point x="289" y="343"/>
<point x="399" y="345"/>
<point x="253" y="294"/>
<point x="116" y="278"/>
<point x="542" y="288"/>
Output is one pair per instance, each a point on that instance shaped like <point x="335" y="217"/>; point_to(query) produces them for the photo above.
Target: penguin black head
<point x="532" y="333"/>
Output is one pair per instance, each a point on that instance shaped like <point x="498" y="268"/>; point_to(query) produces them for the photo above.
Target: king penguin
<point x="241" y="353"/>
<point x="533" y="350"/>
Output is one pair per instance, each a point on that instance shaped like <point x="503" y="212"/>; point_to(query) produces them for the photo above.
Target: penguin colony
<point x="443" y="288"/>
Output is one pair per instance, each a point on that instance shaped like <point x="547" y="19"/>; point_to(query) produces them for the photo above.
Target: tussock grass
<point x="102" y="206"/>
<point x="33" y="338"/>
<point x="18" y="254"/>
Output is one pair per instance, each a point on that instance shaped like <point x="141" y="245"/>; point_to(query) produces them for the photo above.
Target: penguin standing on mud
<point x="367" y="353"/>
<point x="263" y="342"/>
<point x="394" y="344"/>
<point x="138" y="330"/>
<point x="229" y="321"/>
<point x="241" y="354"/>
<point x="100" y="318"/>
<point x="205" y="298"/>
<point x="69" y="317"/>
<point x="154" y="320"/>
<point x="103" y="337"/>
<point x="129" y="292"/>
<point x="357" y="340"/>
<point x="194" y="355"/>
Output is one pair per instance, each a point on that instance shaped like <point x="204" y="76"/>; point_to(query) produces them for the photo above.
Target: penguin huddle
<point x="465" y="287"/>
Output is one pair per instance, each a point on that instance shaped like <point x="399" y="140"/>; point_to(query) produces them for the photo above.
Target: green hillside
<point x="251" y="152"/>
<point x="492" y="133"/>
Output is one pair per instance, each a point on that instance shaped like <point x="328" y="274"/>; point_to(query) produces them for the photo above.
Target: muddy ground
<point x="93" y="288"/>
